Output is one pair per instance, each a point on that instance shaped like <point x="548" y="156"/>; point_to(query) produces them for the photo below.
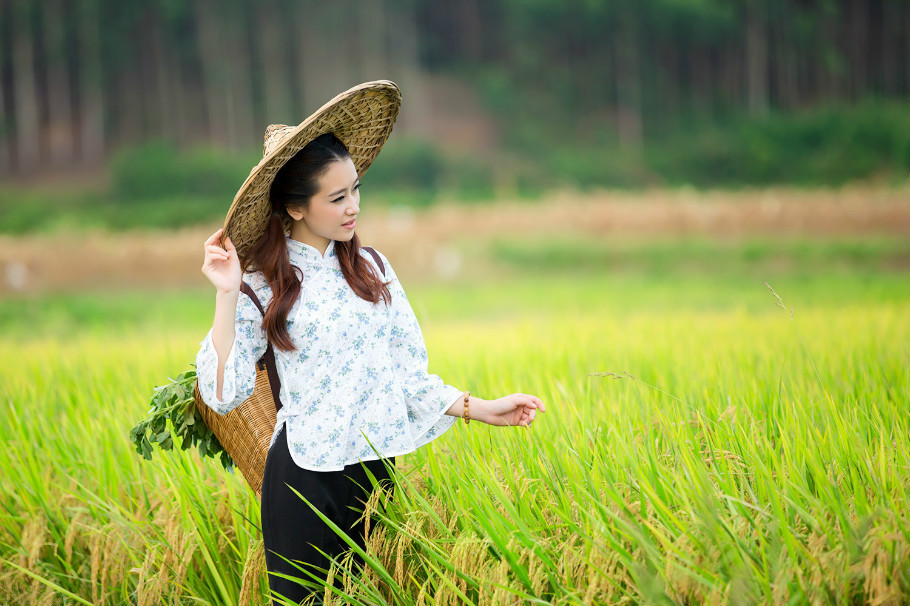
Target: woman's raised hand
<point x="221" y="265"/>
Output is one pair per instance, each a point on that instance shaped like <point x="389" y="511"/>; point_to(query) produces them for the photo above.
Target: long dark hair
<point x="294" y="186"/>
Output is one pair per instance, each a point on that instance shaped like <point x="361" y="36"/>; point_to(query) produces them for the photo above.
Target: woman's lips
<point x="350" y="224"/>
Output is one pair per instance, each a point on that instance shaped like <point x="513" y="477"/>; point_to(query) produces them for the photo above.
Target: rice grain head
<point x="34" y="534"/>
<point x="73" y="535"/>
<point x="151" y="576"/>
<point x="253" y="570"/>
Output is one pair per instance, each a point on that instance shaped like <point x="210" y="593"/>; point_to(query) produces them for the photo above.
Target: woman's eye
<point x="340" y="198"/>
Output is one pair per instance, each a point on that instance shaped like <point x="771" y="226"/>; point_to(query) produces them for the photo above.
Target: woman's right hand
<point x="221" y="265"/>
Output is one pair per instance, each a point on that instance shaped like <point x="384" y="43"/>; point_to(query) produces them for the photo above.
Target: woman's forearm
<point x="476" y="408"/>
<point x="223" y="331"/>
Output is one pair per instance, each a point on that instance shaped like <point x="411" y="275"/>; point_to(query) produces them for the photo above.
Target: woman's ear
<point x="296" y="212"/>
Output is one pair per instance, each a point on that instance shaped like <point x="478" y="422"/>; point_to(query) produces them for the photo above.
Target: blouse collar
<point x="305" y="253"/>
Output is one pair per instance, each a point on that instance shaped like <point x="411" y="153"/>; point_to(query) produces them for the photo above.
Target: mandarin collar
<point x="305" y="253"/>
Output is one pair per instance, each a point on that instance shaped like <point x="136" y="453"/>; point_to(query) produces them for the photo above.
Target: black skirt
<point x="290" y="528"/>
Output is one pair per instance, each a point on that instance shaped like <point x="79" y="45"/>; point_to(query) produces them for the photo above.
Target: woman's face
<point x="337" y="202"/>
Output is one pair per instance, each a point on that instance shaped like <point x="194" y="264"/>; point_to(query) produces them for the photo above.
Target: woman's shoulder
<point x="256" y="280"/>
<point x="383" y="264"/>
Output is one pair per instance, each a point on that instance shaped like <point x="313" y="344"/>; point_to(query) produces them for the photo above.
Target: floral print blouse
<point x="359" y="371"/>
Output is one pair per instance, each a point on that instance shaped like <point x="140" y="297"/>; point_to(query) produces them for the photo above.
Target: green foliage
<point x="173" y="413"/>
<point x="597" y="166"/>
<point x="406" y="163"/>
<point x="830" y="145"/>
<point x="415" y="172"/>
<point x="158" y="170"/>
<point x="407" y="172"/>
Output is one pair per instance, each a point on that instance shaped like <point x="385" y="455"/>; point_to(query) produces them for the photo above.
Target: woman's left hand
<point x="517" y="409"/>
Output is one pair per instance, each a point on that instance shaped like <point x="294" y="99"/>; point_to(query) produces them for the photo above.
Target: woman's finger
<point x="534" y="400"/>
<point x="213" y="249"/>
<point x="216" y="251"/>
<point x="213" y="237"/>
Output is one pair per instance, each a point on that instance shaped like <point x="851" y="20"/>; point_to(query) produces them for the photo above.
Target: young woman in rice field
<point x="355" y="387"/>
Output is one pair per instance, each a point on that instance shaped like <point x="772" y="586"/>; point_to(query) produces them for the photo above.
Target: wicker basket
<point x="246" y="431"/>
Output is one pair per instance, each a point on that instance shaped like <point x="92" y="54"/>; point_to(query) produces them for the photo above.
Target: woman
<point x="355" y="390"/>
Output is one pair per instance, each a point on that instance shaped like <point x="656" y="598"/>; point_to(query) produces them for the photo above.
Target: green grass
<point x="745" y="456"/>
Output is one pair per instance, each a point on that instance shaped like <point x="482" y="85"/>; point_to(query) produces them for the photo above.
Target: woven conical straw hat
<point x="361" y="117"/>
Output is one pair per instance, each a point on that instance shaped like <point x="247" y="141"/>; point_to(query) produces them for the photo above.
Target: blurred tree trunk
<point x="90" y="115"/>
<point x="26" y="103"/>
<point x="732" y="81"/>
<point x="70" y="50"/>
<point x="274" y="65"/>
<point x="372" y="26"/>
<point x="227" y="66"/>
<point x="757" y="57"/>
<point x="858" y="25"/>
<point x="670" y="85"/>
<point x="701" y="85"/>
<point x="291" y="42"/>
<point x="174" y="42"/>
<point x="42" y="89"/>
<point x="827" y="62"/>
<point x="309" y="64"/>
<point x="256" y="77"/>
<point x="164" y="109"/>
<point x="471" y="28"/>
<point x="889" y="46"/>
<point x="137" y="87"/>
<point x="905" y="85"/>
<point x="785" y="57"/>
<point x="404" y="54"/>
<point x="628" y="81"/>
<point x="185" y="60"/>
<point x="213" y="78"/>
<point x="58" y="132"/>
<point x="9" y="155"/>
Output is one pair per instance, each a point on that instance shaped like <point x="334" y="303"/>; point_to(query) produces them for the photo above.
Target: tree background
<point x="499" y="96"/>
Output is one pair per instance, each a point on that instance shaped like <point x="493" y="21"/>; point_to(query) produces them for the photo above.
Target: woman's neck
<point x="301" y="233"/>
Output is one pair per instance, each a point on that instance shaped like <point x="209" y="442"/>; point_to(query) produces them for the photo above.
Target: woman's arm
<point x="515" y="409"/>
<point x="223" y="331"/>
<point x="423" y="391"/>
<point x="226" y="361"/>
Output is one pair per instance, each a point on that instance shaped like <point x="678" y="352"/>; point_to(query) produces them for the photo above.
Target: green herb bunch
<point x="174" y="402"/>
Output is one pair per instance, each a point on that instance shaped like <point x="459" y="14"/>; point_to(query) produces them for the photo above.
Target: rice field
<point x="701" y="445"/>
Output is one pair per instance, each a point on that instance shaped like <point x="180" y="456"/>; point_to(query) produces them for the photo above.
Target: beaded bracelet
<point x="467" y="419"/>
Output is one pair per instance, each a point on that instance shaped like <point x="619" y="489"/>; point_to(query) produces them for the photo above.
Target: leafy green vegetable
<point x="172" y="413"/>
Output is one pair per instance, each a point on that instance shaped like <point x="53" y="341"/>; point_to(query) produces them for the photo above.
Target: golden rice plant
<point x="710" y="451"/>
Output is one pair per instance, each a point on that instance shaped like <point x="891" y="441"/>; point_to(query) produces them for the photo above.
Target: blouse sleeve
<point x="240" y="367"/>
<point x="426" y="395"/>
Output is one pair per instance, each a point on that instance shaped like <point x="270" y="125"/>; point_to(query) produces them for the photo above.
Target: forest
<point x="599" y="92"/>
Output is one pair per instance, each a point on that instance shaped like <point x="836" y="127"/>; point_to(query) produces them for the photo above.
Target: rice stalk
<point x="254" y="570"/>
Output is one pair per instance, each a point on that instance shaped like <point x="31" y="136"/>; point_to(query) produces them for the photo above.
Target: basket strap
<point x="268" y="358"/>
<point x="375" y="254"/>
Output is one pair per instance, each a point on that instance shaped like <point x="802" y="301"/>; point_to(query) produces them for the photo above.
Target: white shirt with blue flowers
<point x="358" y="367"/>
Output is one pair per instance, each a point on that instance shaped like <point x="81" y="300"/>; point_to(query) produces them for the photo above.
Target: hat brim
<point x="362" y="118"/>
